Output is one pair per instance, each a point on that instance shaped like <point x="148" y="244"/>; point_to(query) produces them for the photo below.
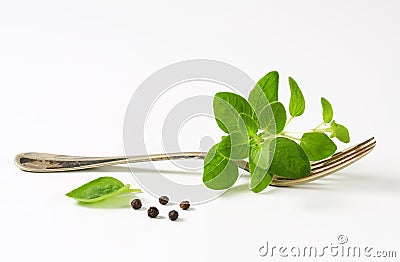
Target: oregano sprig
<point x="255" y="131"/>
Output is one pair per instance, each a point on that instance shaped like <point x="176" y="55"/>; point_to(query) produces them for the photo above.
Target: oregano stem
<point x="287" y="123"/>
<point x="134" y="190"/>
<point x="291" y="137"/>
<point x="323" y="130"/>
<point x="318" y="126"/>
<point x="256" y="138"/>
<point x="291" y="132"/>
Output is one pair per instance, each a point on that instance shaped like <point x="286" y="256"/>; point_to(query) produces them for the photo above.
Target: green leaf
<point x="327" y="110"/>
<point x="235" y="115"/>
<point x="261" y="155"/>
<point x="317" y="145"/>
<point x="100" y="189"/>
<point x="289" y="160"/>
<point x="230" y="109"/>
<point x="234" y="147"/>
<point x="297" y="103"/>
<point x="251" y="123"/>
<point x="219" y="172"/>
<point x="269" y="85"/>
<point x="259" y="161"/>
<point x="260" y="180"/>
<point x="279" y="112"/>
<point x="340" y="132"/>
<point x="263" y="111"/>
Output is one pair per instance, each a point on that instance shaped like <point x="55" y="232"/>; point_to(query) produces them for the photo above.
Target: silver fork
<point x="46" y="163"/>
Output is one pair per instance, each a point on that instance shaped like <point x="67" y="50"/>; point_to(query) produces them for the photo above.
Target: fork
<point x="46" y="163"/>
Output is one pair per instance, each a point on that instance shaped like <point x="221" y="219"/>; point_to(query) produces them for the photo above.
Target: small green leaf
<point x="235" y="116"/>
<point x="219" y="172"/>
<point x="327" y="110"/>
<point x="340" y="132"/>
<point x="234" y="147"/>
<point x="263" y="111"/>
<point x="259" y="161"/>
<point x="261" y="154"/>
<point x="230" y="109"/>
<point x="317" y="145"/>
<point x="289" y="160"/>
<point x="279" y="112"/>
<point x="260" y="180"/>
<point x="269" y="85"/>
<point x="297" y="103"/>
<point x="100" y="189"/>
<point x="250" y="122"/>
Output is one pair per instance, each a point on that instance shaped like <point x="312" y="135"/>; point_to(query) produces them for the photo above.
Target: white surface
<point x="68" y="69"/>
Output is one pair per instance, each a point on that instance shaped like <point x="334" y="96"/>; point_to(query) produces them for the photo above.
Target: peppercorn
<point x="152" y="212"/>
<point x="173" y="215"/>
<point x="184" y="205"/>
<point x="136" y="204"/>
<point x="163" y="200"/>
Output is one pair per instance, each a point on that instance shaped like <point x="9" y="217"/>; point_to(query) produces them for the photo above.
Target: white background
<point x="68" y="70"/>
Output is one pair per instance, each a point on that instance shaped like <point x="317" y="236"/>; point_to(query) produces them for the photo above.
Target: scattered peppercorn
<point x="173" y="215"/>
<point x="184" y="205"/>
<point x="163" y="200"/>
<point x="136" y="204"/>
<point x="152" y="212"/>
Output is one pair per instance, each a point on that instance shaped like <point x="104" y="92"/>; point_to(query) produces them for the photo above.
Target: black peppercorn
<point x="184" y="205"/>
<point x="136" y="204"/>
<point x="163" y="200"/>
<point x="152" y="212"/>
<point x="173" y="215"/>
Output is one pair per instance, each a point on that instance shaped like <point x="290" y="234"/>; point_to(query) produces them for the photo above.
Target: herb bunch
<point x="256" y="130"/>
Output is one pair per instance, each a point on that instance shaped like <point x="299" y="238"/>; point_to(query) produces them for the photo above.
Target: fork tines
<point x="332" y="164"/>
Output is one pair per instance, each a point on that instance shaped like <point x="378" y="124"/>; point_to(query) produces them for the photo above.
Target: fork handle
<point x="46" y="163"/>
<point x="49" y="163"/>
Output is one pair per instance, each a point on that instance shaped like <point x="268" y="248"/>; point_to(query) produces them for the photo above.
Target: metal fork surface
<point x="46" y="163"/>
